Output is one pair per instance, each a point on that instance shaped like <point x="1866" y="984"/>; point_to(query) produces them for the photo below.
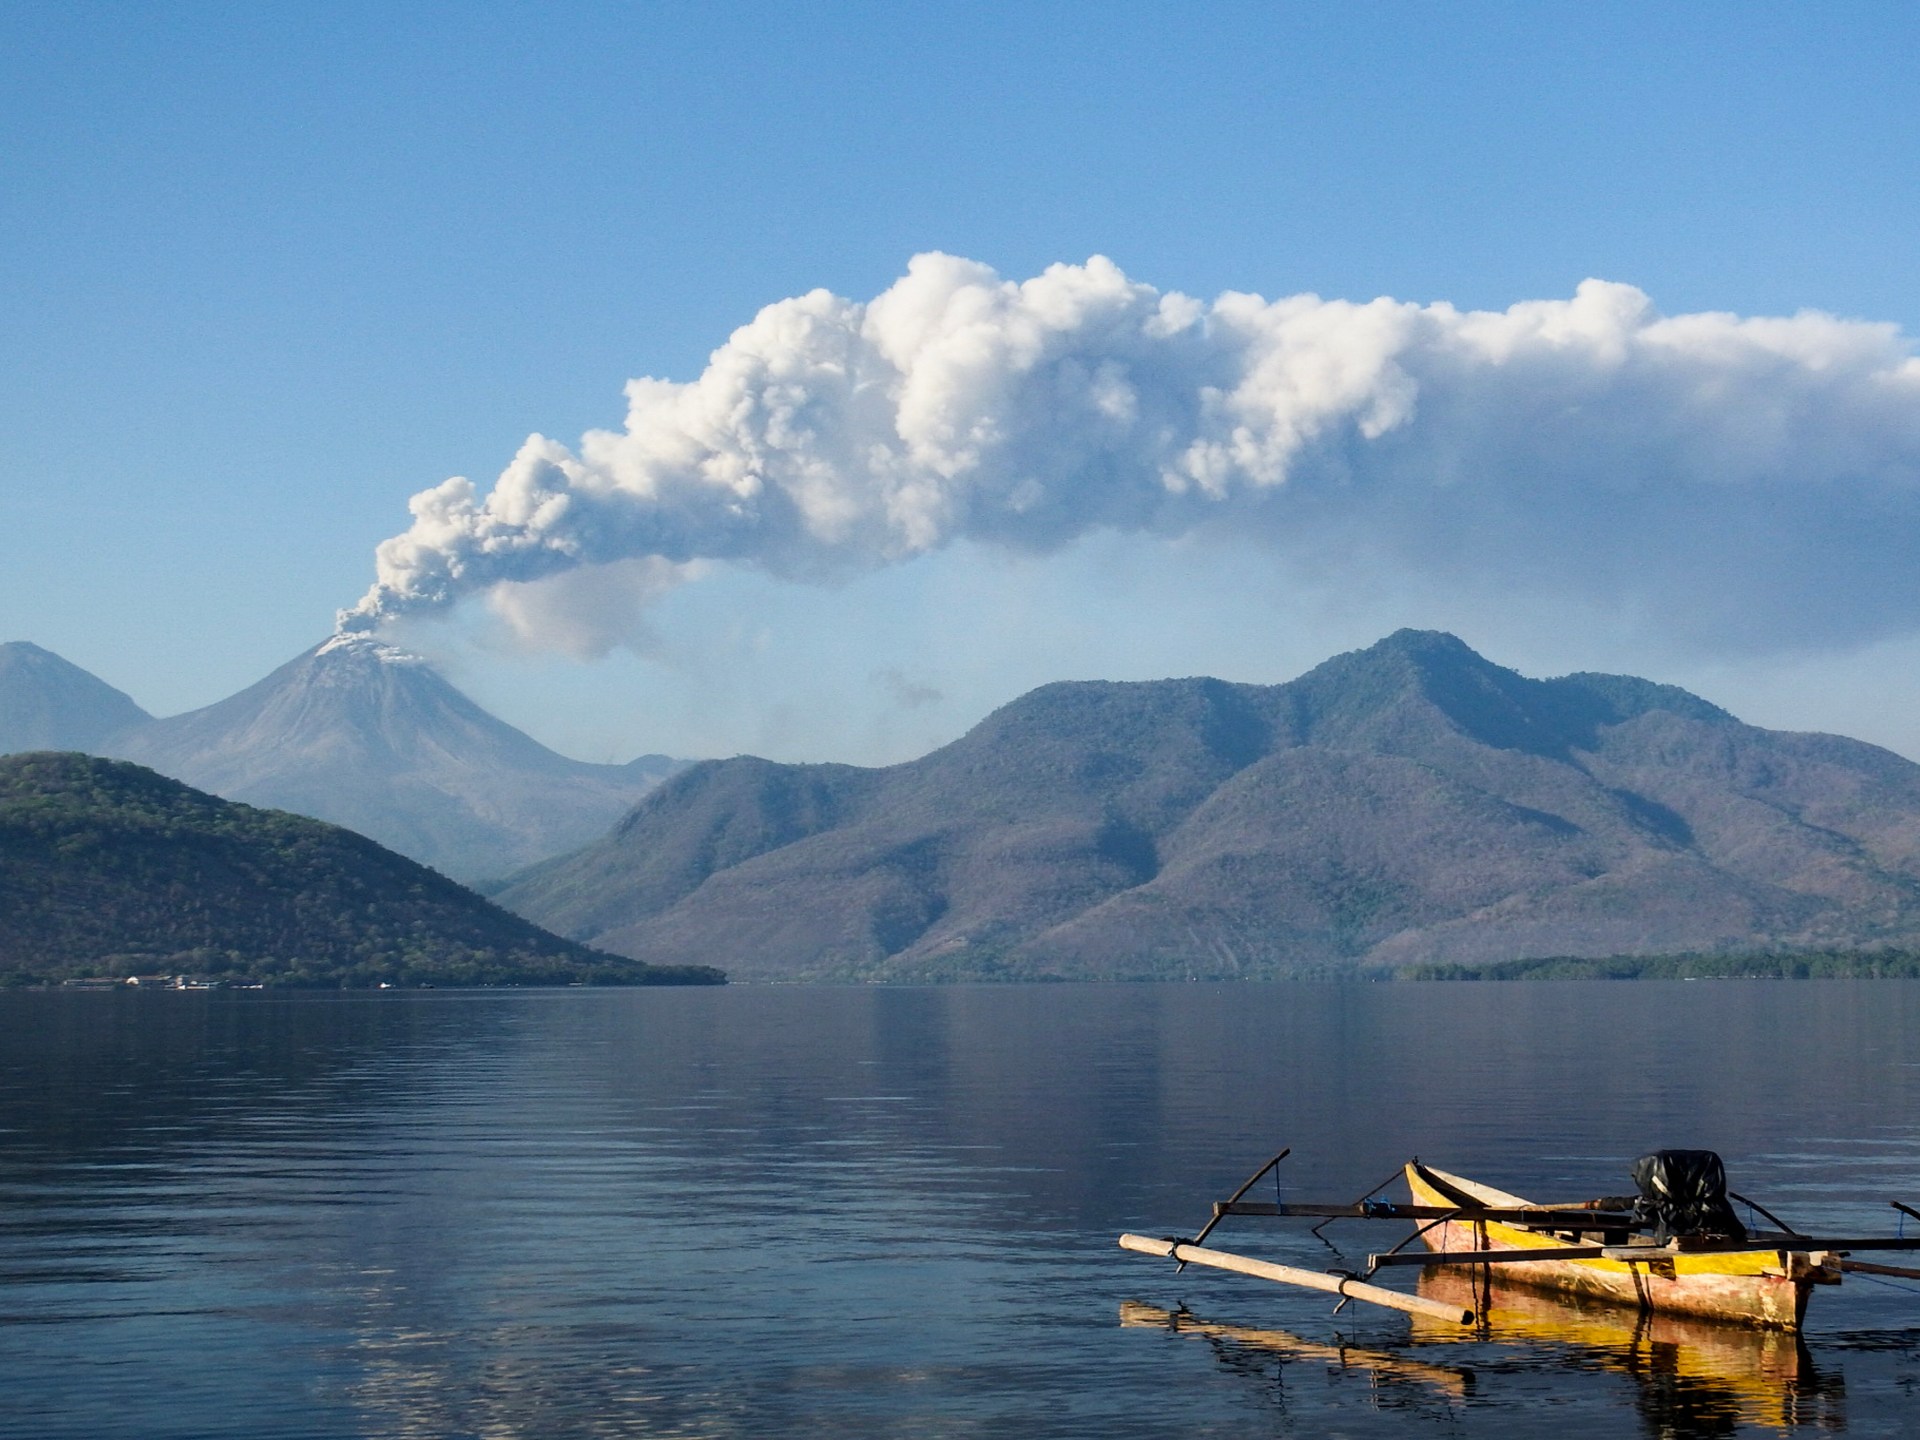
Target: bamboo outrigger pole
<point x="1340" y="1285"/>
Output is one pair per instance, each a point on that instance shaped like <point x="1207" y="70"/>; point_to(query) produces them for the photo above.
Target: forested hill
<point x="108" y="869"/>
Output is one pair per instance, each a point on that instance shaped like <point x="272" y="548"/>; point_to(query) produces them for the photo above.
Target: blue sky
<point x="269" y="273"/>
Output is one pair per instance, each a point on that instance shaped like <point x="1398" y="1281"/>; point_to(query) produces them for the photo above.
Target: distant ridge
<point x="1411" y="802"/>
<point x="47" y="703"/>
<point x="354" y="732"/>
<point x="109" y="870"/>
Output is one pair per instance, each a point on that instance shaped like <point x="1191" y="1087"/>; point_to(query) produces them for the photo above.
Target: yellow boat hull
<point x="1765" y="1288"/>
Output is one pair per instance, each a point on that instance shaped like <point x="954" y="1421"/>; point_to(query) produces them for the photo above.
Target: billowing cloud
<point x="1744" y="481"/>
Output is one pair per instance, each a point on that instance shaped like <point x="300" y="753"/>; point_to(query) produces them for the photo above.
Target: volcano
<point x="365" y="735"/>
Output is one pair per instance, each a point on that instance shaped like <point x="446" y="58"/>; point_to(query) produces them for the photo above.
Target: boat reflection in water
<point x="1695" y="1377"/>
<point x="1692" y="1378"/>
<point x="1397" y="1380"/>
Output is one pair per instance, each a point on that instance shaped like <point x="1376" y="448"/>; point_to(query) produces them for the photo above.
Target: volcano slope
<point x="370" y="737"/>
<point x="1412" y="802"/>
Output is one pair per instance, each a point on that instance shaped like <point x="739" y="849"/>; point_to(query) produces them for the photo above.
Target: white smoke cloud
<point x="1752" y="482"/>
<point x="589" y="611"/>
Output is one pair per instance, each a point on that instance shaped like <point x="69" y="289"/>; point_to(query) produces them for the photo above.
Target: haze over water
<point x="879" y="1212"/>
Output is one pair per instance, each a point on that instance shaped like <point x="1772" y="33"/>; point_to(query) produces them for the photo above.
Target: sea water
<point x="773" y="1211"/>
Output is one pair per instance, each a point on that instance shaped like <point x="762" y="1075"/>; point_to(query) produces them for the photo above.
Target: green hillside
<point x="107" y="869"/>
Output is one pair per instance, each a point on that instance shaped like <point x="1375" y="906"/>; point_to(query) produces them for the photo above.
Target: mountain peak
<point x="1434" y="644"/>
<point x="1421" y="683"/>
<point x="347" y="645"/>
<point x="368" y="735"/>
<point x="351" y="696"/>
<point x="47" y="703"/>
<point x="1394" y="681"/>
<point x="1408" y="653"/>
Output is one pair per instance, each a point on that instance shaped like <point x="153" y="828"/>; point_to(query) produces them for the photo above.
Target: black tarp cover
<point x="1684" y="1192"/>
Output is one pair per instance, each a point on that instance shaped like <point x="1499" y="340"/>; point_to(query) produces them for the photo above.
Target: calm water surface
<point x="891" y="1212"/>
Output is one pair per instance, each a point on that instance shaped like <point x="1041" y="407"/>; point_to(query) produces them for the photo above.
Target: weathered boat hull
<point x="1765" y="1288"/>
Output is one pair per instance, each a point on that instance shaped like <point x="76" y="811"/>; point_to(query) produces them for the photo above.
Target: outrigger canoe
<point x="1675" y="1248"/>
<point x="1766" y="1287"/>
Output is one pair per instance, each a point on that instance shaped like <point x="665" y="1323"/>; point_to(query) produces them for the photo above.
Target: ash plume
<point x="1751" y="482"/>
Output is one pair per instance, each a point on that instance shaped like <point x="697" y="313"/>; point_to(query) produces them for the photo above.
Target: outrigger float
<point x="1676" y="1247"/>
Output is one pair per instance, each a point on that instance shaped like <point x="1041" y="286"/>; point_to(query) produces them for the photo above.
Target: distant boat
<point x="1674" y="1249"/>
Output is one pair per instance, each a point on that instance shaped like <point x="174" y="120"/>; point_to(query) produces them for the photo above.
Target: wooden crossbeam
<point x="1507" y="1257"/>
<point x="1646" y="1254"/>
<point x="1862" y="1267"/>
<point x="1394" y="1210"/>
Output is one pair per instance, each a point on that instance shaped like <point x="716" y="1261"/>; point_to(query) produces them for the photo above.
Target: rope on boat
<point x="1882" y="1280"/>
<point x="1315" y="1232"/>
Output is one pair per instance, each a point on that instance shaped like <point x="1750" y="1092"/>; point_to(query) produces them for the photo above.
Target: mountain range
<point x="354" y="732"/>
<point x="1412" y="802"/>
